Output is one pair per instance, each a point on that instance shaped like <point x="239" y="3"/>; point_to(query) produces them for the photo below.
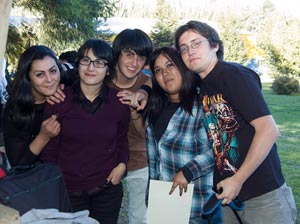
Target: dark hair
<point x="101" y="49"/>
<point x="204" y="30"/>
<point x="68" y="56"/>
<point x="158" y="98"/>
<point x="19" y="91"/>
<point x="132" y="39"/>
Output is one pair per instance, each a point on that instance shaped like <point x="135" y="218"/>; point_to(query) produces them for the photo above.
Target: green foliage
<point x="282" y="44"/>
<point x="17" y="41"/>
<point x="284" y="64"/>
<point x="63" y="23"/>
<point x="229" y="31"/>
<point x="285" y="85"/>
<point x="163" y="31"/>
<point x="59" y="24"/>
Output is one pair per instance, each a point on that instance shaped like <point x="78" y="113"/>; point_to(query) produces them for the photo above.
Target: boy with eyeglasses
<point x="241" y="129"/>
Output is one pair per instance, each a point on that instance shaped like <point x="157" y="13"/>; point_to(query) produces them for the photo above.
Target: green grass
<point x="286" y="111"/>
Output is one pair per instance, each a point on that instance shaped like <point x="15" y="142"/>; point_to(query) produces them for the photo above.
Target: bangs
<point x="136" y="44"/>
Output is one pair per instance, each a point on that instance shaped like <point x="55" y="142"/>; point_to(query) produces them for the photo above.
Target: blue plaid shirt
<point x="183" y="145"/>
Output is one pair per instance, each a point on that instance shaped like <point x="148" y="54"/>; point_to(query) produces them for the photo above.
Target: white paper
<point x="164" y="208"/>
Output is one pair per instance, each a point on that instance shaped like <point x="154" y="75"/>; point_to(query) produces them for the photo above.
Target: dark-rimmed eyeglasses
<point x="194" y="45"/>
<point x="98" y="63"/>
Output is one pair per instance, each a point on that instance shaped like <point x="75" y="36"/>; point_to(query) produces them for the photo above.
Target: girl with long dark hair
<point x="25" y="132"/>
<point x="177" y="144"/>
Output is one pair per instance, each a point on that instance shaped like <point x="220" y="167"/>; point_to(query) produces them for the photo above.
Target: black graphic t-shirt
<point x="232" y="98"/>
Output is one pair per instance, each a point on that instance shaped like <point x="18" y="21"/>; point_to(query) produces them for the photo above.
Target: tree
<point x="283" y="46"/>
<point x="163" y="31"/>
<point x="230" y="28"/>
<point x="66" y="22"/>
<point x="60" y="24"/>
<point x="19" y="38"/>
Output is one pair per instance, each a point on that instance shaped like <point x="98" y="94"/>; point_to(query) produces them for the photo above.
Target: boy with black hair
<point x="131" y="49"/>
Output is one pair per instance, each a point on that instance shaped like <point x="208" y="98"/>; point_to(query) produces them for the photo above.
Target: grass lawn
<point x="286" y="111"/>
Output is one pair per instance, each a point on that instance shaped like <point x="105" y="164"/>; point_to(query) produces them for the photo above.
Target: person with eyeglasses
<point x="241" y="128"/>
<point x="131" y="50"/>
<point x="92" y="147"/>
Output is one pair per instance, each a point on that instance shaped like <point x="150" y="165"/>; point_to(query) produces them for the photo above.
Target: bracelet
<point x="148" y="89"/>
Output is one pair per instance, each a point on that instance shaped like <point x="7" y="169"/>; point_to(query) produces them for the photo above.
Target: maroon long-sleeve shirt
<point x="89" y="145"/>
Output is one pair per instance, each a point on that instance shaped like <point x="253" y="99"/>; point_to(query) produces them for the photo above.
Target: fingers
<point x="61" y="86"/>
<point x="219" y="188"/>
<point x="125" y="97"/>
<point x="123" y="93"/>
<point x="116" y="174"/>
<point x="219" y="191"/>
<point x="53" y="99"/>
<point x="185" y="189"/>
<point x="226" y="201"/>
<point x="51" y="127"/>
<point x="226" y="191"/>
<point x="49" y="100"/>
<point x="125" y="101"/>
<point x="59" y="94"/>
<point x="174" y="185"/>
<point x="141" y="105"/>
<point x="51" y="119"/>
<point x="137" y="100"/>
<point x="113" y="178"/>
<point x="181" y="189"/>
<point x="141" y="101"/>
<point x="109" y="179"/>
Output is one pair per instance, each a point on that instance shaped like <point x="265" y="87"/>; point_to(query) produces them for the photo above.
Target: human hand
<point x="179" y="180"/>
<point x="230" y="189"/>
<point x="140" y="99"/>
<point x="125" y="96"/>
<point x="58" y="96"/>
<point x="116" y="174"/>
<point x="50" y="127"/>
<point x="137" y="100"/>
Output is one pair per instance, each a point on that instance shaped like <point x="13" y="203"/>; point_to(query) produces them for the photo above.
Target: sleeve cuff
<point x="187" y="174"/>
<point x="147" y="89"/>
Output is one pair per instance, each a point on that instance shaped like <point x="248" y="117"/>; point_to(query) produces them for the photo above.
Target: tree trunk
<point x="5" y="7"/>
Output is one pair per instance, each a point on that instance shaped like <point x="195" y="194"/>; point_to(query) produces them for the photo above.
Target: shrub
<point x="285" y="85"/>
